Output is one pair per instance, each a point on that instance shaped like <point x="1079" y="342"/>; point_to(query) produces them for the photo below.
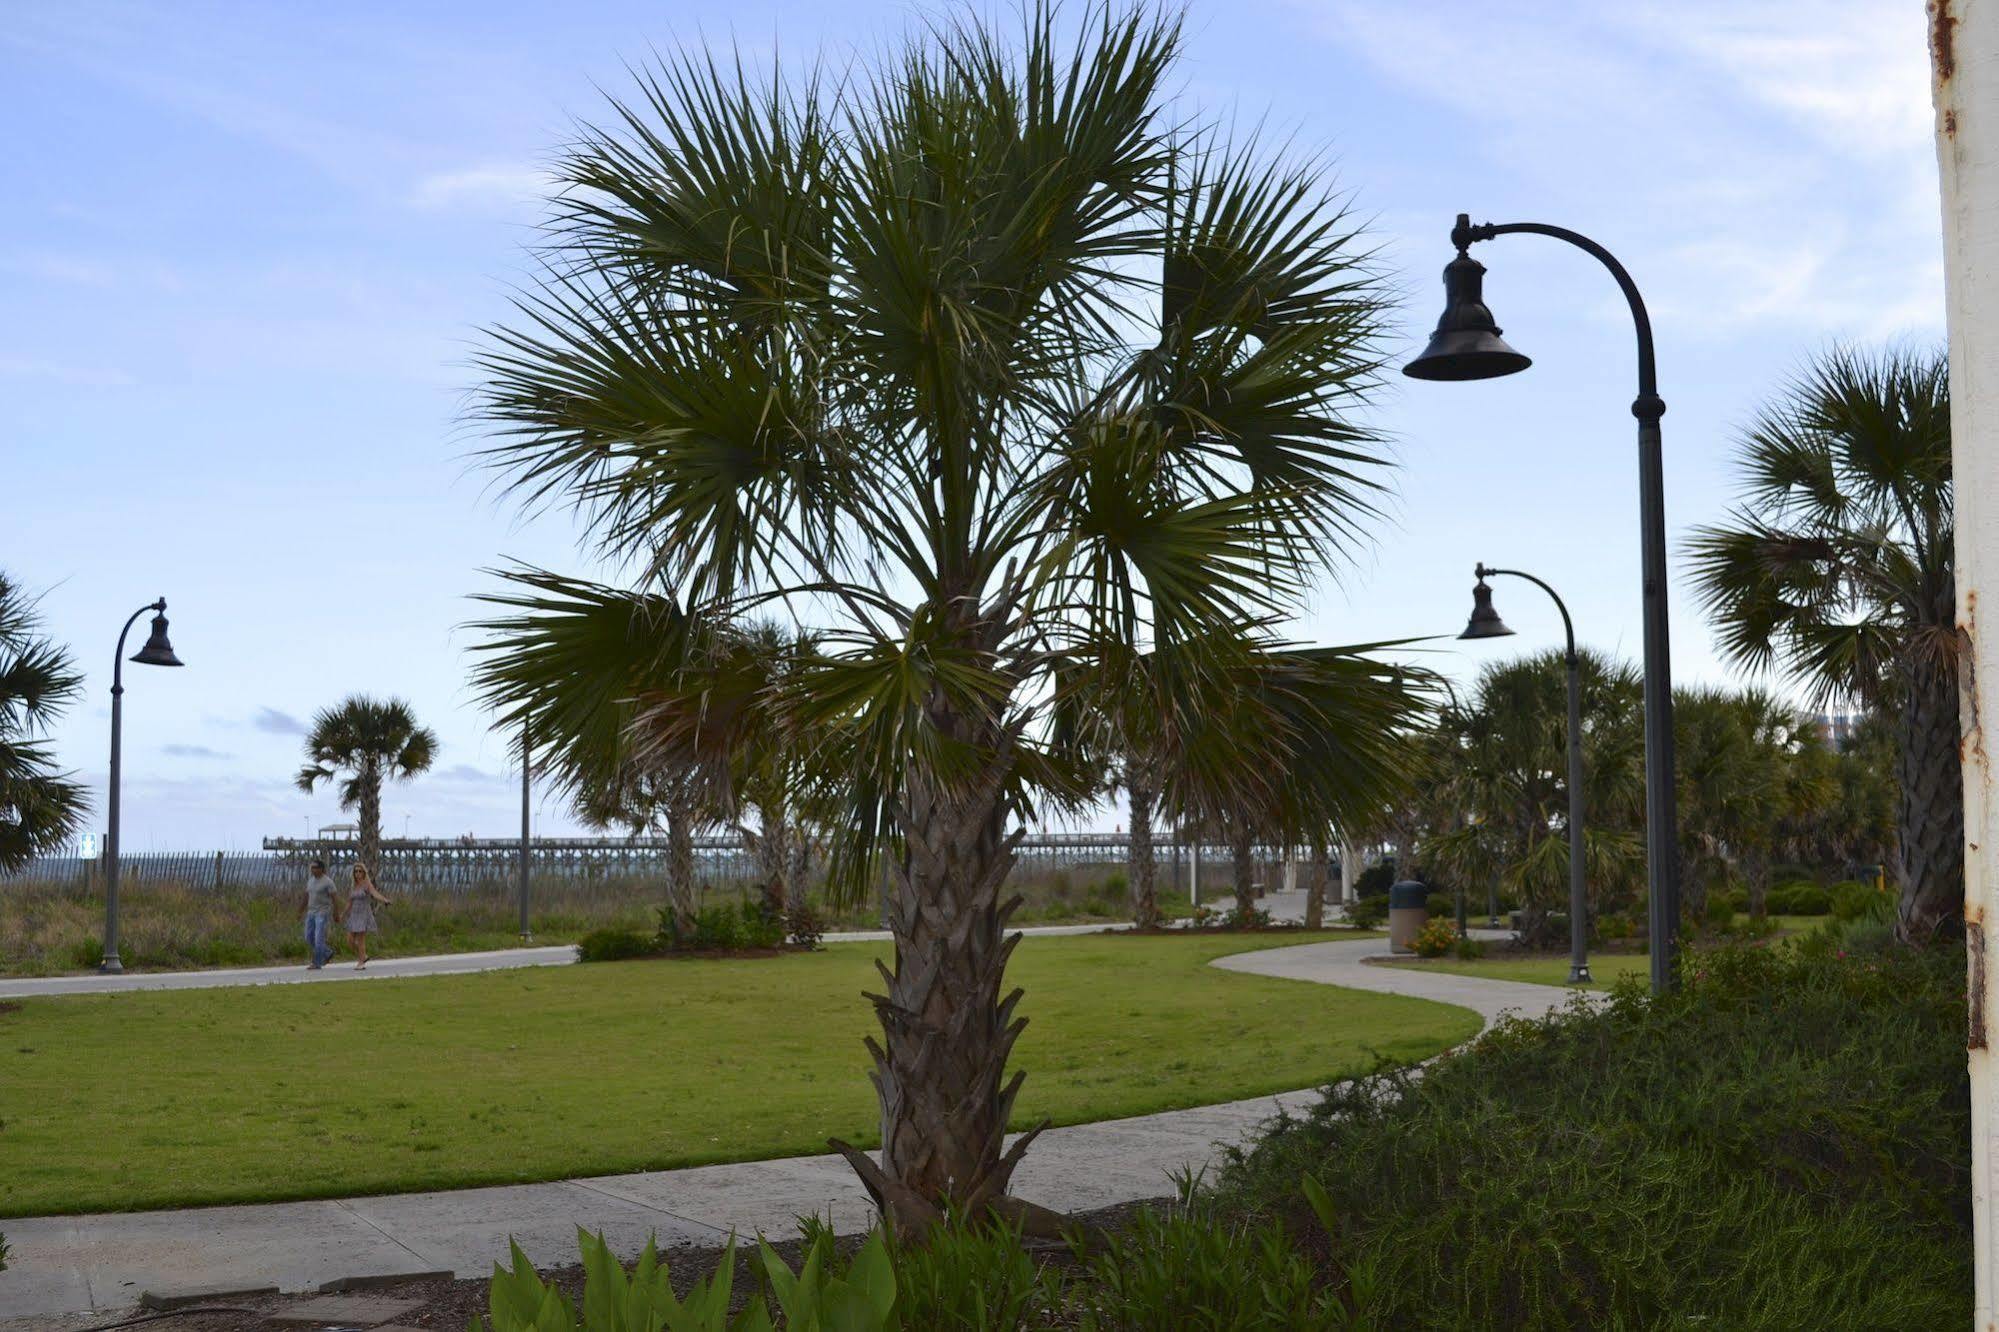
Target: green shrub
<point x="1735" y="899"/>
<point x="1441" y="905"/>
<point x="1246" y="918"/>
<point x="1196" y="1269"/>
<point x="1374" y="881"/>
<point x="1719" y="912"/>
<point x="1436" y="938"/>
<point x="824" y="1295"/>
<point x="969" y="1279"/>
<point x="1854" y="900"/>
<point x="804" y="925"/>
<point x="1468" y="949"/>
<point x="614" y="945"/>
<point x="1799" y="899"/>
<point x="1615" y="925"/>
<point x="722" y="927"/>
<point x="1749" y="927"/>
<point x="1367" y="913"/>
<point x="1745" y="1152"/>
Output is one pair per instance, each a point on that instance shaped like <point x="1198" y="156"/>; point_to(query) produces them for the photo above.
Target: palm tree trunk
<point x="1693" y="884"/>
<point x="947" y="1032"/>
<point x="798" y="874"/>
<point x="1757" y="866"/>
<point x="680" y="862"/>
<point x="1240" y="847"/>
<point x="770" y="848"/>
<point x="1930" y="814"/>
<point x="369" y="815"/>
<point x="1142" y="866"/>
<point x="1315" y="885"/>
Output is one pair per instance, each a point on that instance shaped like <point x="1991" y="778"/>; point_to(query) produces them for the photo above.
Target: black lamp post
<point x="157" y="652"/>
<point x="1485" y="623"/>
<point x="1467" y="345"/>
<point x="527" y="850"/>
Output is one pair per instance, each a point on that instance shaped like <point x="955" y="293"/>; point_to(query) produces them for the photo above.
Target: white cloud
<point x="194" y="751"/>
<point x="500" y="186"/>
<point x="84" y="376"/>
<point x="1764" y="164"/>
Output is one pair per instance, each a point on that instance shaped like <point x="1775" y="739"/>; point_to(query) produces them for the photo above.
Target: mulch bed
<point x="450" y="1304"/>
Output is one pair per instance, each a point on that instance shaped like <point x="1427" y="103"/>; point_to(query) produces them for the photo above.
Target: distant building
<point x="1837" y="728"/>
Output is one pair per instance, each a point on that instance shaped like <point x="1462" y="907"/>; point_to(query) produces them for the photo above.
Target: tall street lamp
<point x="1485" y="623"/>
<point x="157" y="652"/>
<point x="527" y="792"/>
<point x="1467" y="345"/>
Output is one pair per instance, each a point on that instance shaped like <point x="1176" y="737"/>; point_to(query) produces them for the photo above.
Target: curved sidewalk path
<point x="382" y="968"/>
<point x="106" y="1261"/>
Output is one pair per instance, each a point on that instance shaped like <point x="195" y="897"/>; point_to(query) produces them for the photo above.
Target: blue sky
<point x="247" y="248"/>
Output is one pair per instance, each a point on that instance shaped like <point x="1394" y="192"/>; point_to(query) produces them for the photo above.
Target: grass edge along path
<point x="1606" y="968"/>
<point x="150" y="1100"/>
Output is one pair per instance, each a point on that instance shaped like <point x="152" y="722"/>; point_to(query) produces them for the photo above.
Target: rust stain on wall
<point x="1974" y="939"/>
<point x="1943" y="40"/>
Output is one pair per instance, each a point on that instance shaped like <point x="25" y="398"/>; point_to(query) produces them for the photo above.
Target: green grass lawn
<point x="1605" y="968"/>
<point x="164" y="1099"/>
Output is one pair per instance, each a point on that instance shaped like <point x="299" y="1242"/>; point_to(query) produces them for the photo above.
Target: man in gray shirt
<point x="316" y="907"/>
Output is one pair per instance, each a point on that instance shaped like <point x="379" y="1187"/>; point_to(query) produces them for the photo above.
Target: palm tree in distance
<point x="40" y="807"/>
<point x="885" y="354"/>
<point x="1840" y="567"/>
<point x="371" y="742"/>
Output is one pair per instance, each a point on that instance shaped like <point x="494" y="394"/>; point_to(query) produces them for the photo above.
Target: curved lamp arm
<point x="1568" y="626"/>
<point x="118" y="660"/>
<point x="1649" y="405"/>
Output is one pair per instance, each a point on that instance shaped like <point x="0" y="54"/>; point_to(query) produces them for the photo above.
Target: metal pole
<point x="527" y="788"/>
<point x="1578" y="892"/>
<point x="1661" y="817"/>
<point x="1194" y="874"/>
<point x="111" y="965"/>
<point x="1661" y="832"/>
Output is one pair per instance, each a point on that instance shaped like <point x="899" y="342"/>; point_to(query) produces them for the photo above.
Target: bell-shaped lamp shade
<point x="1485" y="621"/>
<point x="1466" y="344"/>
<point x="158" y="651"/>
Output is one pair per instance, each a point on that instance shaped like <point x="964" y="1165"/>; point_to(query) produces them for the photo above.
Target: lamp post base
<point x="1579" y="975"/>
<point x="111" y="966"/>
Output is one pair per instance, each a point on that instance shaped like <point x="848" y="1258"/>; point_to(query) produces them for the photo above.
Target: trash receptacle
<point x="1408" y="912"/>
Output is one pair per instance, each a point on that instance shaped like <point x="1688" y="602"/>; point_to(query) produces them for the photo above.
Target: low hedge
<point x="1783" y="1143"/>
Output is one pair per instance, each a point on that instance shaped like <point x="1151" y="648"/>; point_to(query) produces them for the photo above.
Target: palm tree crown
<point x="40" y="807"/>
<point x="1839" y="566"/>
<point x="372" y="741"/>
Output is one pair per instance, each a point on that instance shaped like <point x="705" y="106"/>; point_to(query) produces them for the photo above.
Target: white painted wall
<point x="1964" y="60"/>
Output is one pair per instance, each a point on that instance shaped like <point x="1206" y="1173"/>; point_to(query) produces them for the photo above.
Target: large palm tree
<point x="892" y="354"/>
<point x="1839" y="566"/>
<point x="1501" y="761"/>
<point x="371" y="741"/>
<point x="40" y="807"/>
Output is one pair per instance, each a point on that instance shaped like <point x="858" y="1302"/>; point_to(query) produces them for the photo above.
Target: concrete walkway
<point x="436" y="964"/>
<point x="106" y="1261"/>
